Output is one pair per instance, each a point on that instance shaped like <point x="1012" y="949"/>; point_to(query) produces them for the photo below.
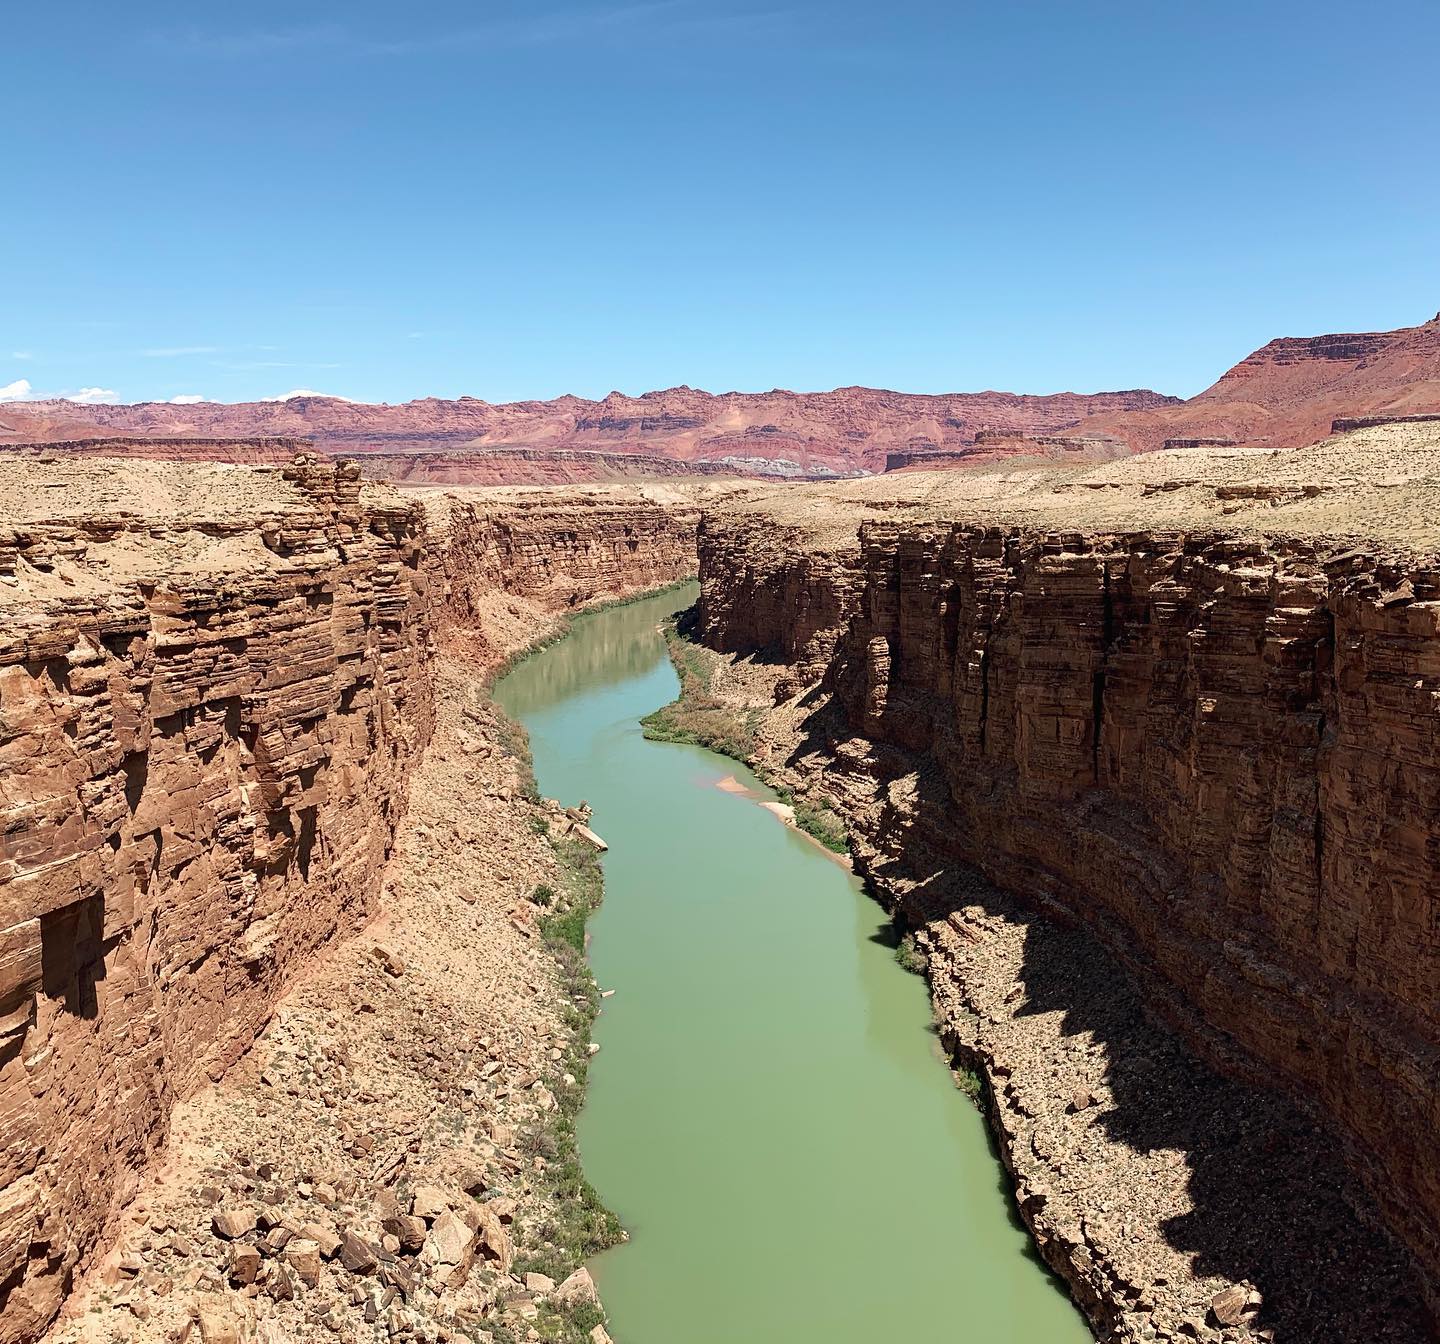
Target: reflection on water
<point x="612" y="646"/>
<point x="767" y="1114"/>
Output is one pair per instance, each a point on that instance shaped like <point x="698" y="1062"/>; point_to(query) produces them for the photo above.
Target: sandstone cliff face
<point x="202" y="766"/>
<point x="209" y="713"/>
<point x="1217" y="754"/>
<point x="552" y="553"/>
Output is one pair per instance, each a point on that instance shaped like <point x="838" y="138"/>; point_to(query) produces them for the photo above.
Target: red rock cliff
<point x="214" y="684"/>
<point x="779" y="432"/>
<point x="205" y="730"/>
<point x="1291" y="390"/>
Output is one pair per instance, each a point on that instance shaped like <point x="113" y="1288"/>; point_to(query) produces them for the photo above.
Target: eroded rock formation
<point x="1289" y="392"/>
<point x="205" y="728"/>
<point x="447" y="467"/>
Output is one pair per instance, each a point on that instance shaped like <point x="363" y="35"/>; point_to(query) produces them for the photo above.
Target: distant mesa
<point x="1293" y="390"/>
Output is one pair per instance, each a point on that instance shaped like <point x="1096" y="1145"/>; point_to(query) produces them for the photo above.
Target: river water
<point x="769" y="1113"/>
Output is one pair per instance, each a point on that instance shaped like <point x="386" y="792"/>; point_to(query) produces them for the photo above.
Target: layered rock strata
<point x="441" y="467"/>
<point x="246" y="450"/>
<point x="1289" y="392"/>
<point x="214" y="686"/>
<point x="1214" y="752"/>
<point x="507" y="561"/>
<point x="205" y="729"/>
<point x="779" y="432"/>
<point x="530" y="466"/>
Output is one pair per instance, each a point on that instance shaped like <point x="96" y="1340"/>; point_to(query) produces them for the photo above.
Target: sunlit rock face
<point x="214" y="686"/>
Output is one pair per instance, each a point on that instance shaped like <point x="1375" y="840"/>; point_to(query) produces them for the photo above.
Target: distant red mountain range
<point x="1286" y="393"/>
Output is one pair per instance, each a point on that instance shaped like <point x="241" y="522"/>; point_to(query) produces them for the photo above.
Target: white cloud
<point x="174" y="351"/>
<point x="20" y="390"/>
<point x="189" y="399"/>
<point x="21" y="354"/>
<point x="250" y="365"/>
<point x="305" y="392"/>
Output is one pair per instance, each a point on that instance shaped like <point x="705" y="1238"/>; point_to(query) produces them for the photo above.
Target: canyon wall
<point x="209" y="713"/>
<point x="205" y="730"/>
<point x="507" y="563"/>
<point x="1217" y="753"/>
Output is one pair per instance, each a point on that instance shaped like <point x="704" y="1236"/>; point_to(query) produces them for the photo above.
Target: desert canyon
<point x="1126" y="707"/>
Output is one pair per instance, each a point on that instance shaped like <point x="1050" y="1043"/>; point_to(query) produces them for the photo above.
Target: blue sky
<point x="516" y="200"/>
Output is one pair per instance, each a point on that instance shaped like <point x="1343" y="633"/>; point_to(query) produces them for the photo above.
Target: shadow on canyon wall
<point x="1272" y="1201"/>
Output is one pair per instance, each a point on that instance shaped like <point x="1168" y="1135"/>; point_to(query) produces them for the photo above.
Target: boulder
<point x="303" y="1256"/>
<point x="1231" y="1306"/>
<point x="429" y="1202"/>
<point x="244" y="1265"/>
<point x="232" y="1223"/>
<point x="577" y="1291"/>
<point x="325" y="1238"/>
<point x="494" y="1240"/>
<point x="219" y="1321"/>
<point x="357" y="1254"/>
<point x="448" y="1240"/>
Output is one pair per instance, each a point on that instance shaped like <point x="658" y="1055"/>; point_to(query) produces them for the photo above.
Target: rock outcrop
<point x="215" y="684"/>
<point x="992" y="446"/>
<point x="246" y="450"/>
<point x="447" y="467"/>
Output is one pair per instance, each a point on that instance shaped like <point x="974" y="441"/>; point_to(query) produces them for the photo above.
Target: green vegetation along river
<point x="769" y="1114"/>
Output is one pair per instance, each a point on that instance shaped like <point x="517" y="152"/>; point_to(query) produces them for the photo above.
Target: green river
<point x="769" y="1114"/>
